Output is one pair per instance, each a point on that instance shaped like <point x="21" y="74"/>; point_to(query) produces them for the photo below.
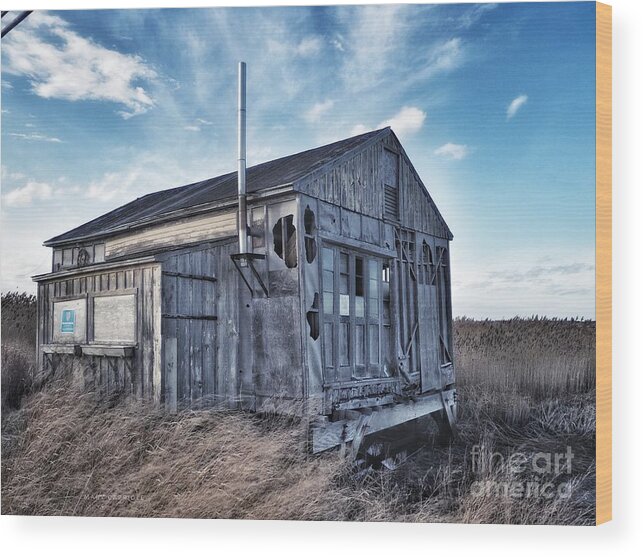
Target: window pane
<point x="344" y="308"/>
<point x="343" y="263"/>
<point x="359" y="345"/>
<point x="328" y="302"/>
<point x="359" y="306"/>
<point x="328" y="281"/>
<point x="374" y="344"/>
<point x="343" y="284"/>
<point x="359" y="276"/>
<point x="372" y="269"/>
<point x="344" y="343"/>
<point x="373" y="299"/>
<point x="328" y="259"/>
<point x="328" y="345"/>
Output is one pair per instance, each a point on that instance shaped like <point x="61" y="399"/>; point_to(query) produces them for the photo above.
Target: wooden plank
<point x="331" y="434"/>
<point x="190" y="276"/>
<point x="157" y="339"/>
<point x="196" y="328"/>
<point x="603" y="263"/>
<point x="108" y="351"/>
<point x="171" y="386"/>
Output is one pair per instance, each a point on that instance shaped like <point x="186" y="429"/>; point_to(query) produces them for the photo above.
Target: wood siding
<point x="356" y="183"/>
<point x="100" y="369"/>
<point x="200" y="320"/>
<point x="189" y="230"/>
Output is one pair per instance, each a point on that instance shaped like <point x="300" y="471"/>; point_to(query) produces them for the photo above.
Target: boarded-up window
<point x="70" y="321"/>
<point x="115" y="318"/>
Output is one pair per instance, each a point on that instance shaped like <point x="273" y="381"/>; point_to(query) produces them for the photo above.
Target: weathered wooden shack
<point x="340" y="309"/>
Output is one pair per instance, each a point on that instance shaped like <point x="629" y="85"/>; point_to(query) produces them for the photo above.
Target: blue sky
<point x="493" y="103"/>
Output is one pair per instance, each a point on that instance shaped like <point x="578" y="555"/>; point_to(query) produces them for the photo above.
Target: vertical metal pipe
<point x="241" y="162"/>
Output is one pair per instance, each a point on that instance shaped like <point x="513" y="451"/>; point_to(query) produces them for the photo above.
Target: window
<point x="354" y="319"/>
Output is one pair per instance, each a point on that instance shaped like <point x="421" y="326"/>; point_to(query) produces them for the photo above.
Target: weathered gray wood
<point x="114" y="318"/>
<point x="171" y="392"/>
<point x="332" y="434"/>
<point x="108" y="351"/>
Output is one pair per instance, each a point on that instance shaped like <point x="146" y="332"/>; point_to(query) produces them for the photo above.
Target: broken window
<point x="310" y="244"/>
<point x="309" y="221"/>
<point x="312" y="316"/>
<point x="284" y="236"/>
<point x="359" y="287"/>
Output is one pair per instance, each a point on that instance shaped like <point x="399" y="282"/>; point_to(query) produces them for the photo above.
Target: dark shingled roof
<point x="278" y="172"/>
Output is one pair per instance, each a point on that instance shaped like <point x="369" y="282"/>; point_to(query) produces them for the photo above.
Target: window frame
<point x="348" y="366"/>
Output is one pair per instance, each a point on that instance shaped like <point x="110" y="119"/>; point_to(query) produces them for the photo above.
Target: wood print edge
<point x="603" y="263"/>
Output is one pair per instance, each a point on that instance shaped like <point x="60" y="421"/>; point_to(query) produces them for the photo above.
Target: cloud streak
<point x="516" y="105"/>
<point x="36" y="137"/>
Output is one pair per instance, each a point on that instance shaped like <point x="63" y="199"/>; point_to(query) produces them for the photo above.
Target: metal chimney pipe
<point x="241" y="166"/>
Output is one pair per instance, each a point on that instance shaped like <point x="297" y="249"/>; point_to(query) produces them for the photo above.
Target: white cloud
<point x="61" y="64"/>
<point x="36" y="137"/>
<point x="309" y="46"/>
<point x="315" y="113"/>
<point x="452" y="151"/>
<point x="204" y="122"/>
<point x="359" y="129"/>
<point x="515" y="105"/>
<point x="27" y="194"/>
<point x="192" y="128"/>
<point x="407" y="121"/>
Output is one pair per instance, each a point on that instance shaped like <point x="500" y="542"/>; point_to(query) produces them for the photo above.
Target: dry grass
<point x="525" y="386"/>
<point x="18" y="347"/>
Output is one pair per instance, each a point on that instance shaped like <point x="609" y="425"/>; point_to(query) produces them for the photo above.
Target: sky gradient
<point x="495" y="105"/>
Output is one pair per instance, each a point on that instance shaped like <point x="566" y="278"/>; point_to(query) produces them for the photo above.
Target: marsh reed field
<point x="526" y="395"/>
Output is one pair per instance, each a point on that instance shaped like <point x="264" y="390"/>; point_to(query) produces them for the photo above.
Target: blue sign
<point x="68" y="321"/>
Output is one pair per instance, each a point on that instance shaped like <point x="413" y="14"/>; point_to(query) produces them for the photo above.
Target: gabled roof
<point x="278" y="172"/>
